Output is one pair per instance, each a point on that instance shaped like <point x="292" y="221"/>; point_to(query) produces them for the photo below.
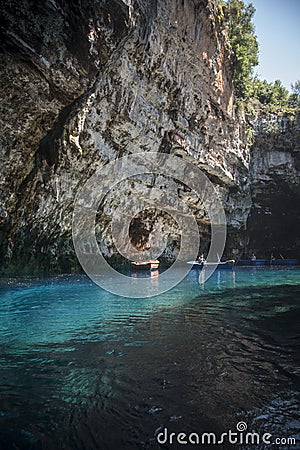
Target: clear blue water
<point x="84" y="369"/>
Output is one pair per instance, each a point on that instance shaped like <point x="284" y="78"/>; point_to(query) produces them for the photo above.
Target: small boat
<point x="152" y="264"/>
<point x="267" y="262"/>
<point x="252" y="262"/>
<point x="220" y="265"/>
<point x="284" y="262"/>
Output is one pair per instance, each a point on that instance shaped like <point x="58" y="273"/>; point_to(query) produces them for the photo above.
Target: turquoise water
<point x="84" y="369"/>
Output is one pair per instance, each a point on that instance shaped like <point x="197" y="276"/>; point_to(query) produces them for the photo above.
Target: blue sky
<point x="277" y="26"/>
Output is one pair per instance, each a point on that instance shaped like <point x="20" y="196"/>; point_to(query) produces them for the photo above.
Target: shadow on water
<point x="82" y="369"/>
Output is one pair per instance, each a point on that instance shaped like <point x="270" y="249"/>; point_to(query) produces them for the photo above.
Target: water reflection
<point x="222" y="278"/>
<point x="154" y="273"/>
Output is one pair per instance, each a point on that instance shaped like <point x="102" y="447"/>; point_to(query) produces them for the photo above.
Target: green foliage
<point x="237" y="18"/>
<point x="296" y="88"/>
<point x="294" y="98"/>
<point x="253" y="93"/>
<point x="273" y="95"/>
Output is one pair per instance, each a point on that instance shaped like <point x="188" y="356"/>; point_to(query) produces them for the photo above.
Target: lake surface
<point x="84" y="369"/>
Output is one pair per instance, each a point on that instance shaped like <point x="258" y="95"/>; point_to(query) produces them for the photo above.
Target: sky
<point x="277" y="26"/>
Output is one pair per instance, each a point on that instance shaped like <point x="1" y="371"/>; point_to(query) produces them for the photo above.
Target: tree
<point x="296" y="88"/>
<point x="272" y="95"/>
<point x="244" y="46"/>
<point x="294" y="98"/>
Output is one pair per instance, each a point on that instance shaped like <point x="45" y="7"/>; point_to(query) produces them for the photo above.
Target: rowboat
<point x="284" y="262"/>
<point x="267" y="262"/>
<point x="252" y="262"/>
<point x="220" y="265"/>
<point x="152" y="264"/>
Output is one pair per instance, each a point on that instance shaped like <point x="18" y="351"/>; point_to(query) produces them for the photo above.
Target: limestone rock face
<point x="51" y="53"/>
<point x="273" y="224"/>
<point x="84" y="83"/>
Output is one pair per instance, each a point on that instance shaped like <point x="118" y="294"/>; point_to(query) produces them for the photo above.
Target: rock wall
<point x="51" y="55"/>
<point x="84" y="83"/>
<point x="273" y="224"/>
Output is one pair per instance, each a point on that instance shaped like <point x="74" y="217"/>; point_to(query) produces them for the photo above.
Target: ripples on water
<point x="84" y="369"/>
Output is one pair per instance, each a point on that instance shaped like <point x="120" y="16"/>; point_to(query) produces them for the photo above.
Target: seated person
<point x="201" y="259"/>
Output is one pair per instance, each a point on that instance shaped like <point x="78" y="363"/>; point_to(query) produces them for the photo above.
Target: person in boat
<point x="253" y="257"/>
<point x="201" y="259"/>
